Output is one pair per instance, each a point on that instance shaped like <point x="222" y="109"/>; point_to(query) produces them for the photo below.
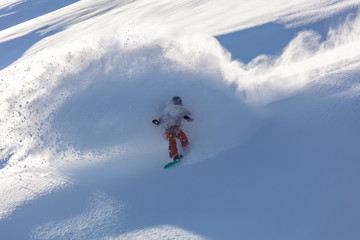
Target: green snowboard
<point x="172" y="164"/>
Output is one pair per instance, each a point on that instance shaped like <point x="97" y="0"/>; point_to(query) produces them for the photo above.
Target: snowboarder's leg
<point x="183" y="138"/>
<point x="170" y="136"/>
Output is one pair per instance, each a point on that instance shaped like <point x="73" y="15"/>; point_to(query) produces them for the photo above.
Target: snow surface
<point x="274" y="145"/>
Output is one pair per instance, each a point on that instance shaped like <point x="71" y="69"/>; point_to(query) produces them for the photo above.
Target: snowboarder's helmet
<point x="176" y="100"/>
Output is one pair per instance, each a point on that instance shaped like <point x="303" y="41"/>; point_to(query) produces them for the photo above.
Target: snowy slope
<point x="274" y="145"/>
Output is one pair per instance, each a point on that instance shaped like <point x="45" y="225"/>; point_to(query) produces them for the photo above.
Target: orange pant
<point x="171" y="137"/>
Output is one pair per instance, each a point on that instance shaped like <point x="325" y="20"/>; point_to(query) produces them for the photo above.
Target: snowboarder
<point x="171" y="120"/>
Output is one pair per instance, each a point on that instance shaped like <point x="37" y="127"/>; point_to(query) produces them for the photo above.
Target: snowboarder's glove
<point x="156" y="122"/>
<point x="186" y="117"/>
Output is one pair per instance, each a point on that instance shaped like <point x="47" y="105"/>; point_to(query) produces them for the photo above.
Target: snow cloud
<point x="307" y="58"/>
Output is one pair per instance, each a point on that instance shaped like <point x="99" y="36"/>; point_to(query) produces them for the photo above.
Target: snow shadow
<point x="4" y="161"/>
<point x="26" y="10"/>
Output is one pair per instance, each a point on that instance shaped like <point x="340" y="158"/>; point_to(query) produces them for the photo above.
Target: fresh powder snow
<point x="273" y="87"/>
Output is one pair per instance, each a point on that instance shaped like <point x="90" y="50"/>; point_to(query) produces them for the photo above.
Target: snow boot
<point x="177" y="157"/>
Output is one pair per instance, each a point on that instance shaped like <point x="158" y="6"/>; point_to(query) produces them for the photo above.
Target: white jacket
<point x="172" y="117"/>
